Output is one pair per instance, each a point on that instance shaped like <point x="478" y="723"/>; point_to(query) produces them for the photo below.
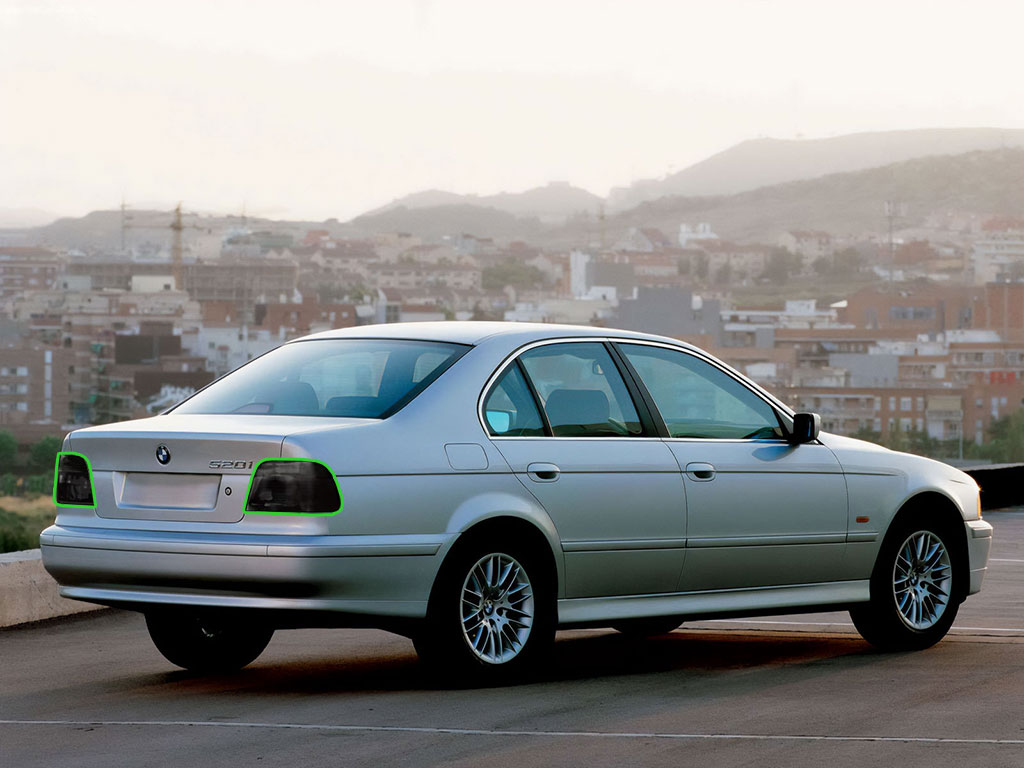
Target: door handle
<point x="700" y="471"/>
<point x="542" y="472"/>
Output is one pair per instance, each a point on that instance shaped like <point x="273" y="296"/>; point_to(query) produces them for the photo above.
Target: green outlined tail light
<point x="293" y="487"/>
<point x="72" y="482"/>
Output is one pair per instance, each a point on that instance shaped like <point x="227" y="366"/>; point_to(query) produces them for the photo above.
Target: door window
<point x="696" y="399"/>
<point x="581" y="390"/>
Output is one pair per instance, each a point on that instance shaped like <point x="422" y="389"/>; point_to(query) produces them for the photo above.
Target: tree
<point x="43" y="454"/>
<point x="823" y="266"/>
<point x="8" y="451"/>
<point x="847" y="262"/>
<point x="513" y="273"/>
<point x="868" y="434"/>
<point x="781" y="263"/>
<point x="700" y="267"/>
<point x="1007" y="443"/>
<point x="724" y="274"/>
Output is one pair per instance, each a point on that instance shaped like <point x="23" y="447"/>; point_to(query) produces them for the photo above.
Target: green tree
<point x="44" y="453"/>
<point x="868" y="434"/>
<point x="1007" y="443"/>
<point x="8" y="451"/>
<point x="513" y="273"/>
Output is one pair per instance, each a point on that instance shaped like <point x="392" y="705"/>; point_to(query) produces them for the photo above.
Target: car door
<point x="564" y="418"/>
<point x="760" y="511"/>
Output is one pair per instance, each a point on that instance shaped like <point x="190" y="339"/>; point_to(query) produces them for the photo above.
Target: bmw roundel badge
<point x="163" y="454"/>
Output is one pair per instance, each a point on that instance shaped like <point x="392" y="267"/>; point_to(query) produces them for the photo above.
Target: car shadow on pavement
<point x="576" y="656"/>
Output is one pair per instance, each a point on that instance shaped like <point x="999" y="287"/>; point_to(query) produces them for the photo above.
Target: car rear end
<point x="234" y="509"/>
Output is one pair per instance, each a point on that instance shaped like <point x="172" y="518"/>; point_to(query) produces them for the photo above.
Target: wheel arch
<point x="935" y="506"/>
<point x="511" y="512"/>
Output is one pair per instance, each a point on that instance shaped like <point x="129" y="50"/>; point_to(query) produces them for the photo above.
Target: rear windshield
<point x="364" y="378"/>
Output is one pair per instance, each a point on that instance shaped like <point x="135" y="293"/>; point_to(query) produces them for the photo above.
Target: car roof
<point x="476" y="331"/>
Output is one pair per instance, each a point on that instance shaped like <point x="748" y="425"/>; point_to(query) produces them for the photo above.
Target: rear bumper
<point x="979" y="542"/>
<point x="385" y="576"/>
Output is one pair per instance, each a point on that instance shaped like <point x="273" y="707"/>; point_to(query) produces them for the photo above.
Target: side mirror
<point x="806" y="427"/>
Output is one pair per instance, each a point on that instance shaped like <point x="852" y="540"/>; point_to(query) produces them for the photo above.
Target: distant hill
<point x="16" y="218"/>
<point x="764" y="162"/>
<point x="990" y="182"/>
<point x="551" y="204"/>
<point x="102" y="229"/>
<point x="436" y="222"/>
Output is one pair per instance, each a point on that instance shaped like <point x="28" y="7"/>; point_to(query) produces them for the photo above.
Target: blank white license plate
<point x="153" y="490"/>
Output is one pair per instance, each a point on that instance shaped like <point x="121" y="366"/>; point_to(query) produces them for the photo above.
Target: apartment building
<point x="26" y="269"/>
<point x="34" y="389"/>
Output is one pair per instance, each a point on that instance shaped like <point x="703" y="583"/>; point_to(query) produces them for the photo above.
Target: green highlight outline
<point x="92" y="482"/>
<point x="324" y="464"/>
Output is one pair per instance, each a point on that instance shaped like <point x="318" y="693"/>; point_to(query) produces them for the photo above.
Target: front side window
<point x="364" y="378"/>
<point x="510" y="410"/>
<point x="581" y="391"/>
<point x="698" y="400"/>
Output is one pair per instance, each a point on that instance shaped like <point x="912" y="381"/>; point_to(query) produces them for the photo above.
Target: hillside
<point x="439" y="221"/>
<point x="102" y="229"/>
<point x="766" y="162"/>
<point x="989" y="182"/>
<point x="552" y="204"/>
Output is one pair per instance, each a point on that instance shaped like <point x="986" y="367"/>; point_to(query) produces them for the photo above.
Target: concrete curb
<point x="29" y="593"/>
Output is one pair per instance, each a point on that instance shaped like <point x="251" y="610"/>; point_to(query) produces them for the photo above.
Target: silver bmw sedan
<point x="477" y="486"/>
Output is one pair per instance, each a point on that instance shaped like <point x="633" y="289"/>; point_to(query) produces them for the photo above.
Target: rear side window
<point x="581" y="390"/>
<point x="510" y="410"/>
<point x="365" y="378"/>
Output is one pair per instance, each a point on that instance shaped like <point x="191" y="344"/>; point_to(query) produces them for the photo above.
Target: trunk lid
<point x="193" y="467"/>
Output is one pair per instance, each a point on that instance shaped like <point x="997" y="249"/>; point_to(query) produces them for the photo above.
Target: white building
<point x="997" y="256"/>
<point x="689" y="235"/>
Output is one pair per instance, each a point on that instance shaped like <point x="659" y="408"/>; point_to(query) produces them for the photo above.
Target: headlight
<point x="72" y="482"/>
<point x="293" y="487"/>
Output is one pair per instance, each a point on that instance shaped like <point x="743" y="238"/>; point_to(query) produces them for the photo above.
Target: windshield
<point x="364" y="378"/>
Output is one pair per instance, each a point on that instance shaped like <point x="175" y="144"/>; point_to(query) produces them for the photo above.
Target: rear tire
<point x="491" y="616"/>
<point x="651" y="627"/>
<point x="916" y="587"/>
<point x="201" y="642"/>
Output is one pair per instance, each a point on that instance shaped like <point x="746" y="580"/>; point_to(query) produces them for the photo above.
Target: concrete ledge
<point x="29" y="593"/>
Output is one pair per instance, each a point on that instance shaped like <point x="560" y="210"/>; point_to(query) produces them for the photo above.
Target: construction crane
<point x="177" y="227"/>
<point x="177" y="269"/>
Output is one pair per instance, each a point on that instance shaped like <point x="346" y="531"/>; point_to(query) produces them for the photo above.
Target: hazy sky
<point x="318" y="109"/>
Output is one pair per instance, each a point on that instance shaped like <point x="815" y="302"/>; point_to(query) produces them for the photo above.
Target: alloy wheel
<point x="497" y="608"/>
<point x="922" y="580"/>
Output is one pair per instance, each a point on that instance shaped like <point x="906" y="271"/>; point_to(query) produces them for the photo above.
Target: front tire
<point x="205" y="643"/>
<point x="491" y="614"/>
<point x="916" y="588"/>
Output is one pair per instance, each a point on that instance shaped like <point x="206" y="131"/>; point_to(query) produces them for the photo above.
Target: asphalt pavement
<point x="779" y="691"/>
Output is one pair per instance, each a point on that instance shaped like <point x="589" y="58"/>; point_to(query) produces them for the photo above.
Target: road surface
<point x="787" y="691"/>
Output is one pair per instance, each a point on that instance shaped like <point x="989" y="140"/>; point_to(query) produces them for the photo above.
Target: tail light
<point x="293" y="487"/>
<point x="72" y="482"/>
